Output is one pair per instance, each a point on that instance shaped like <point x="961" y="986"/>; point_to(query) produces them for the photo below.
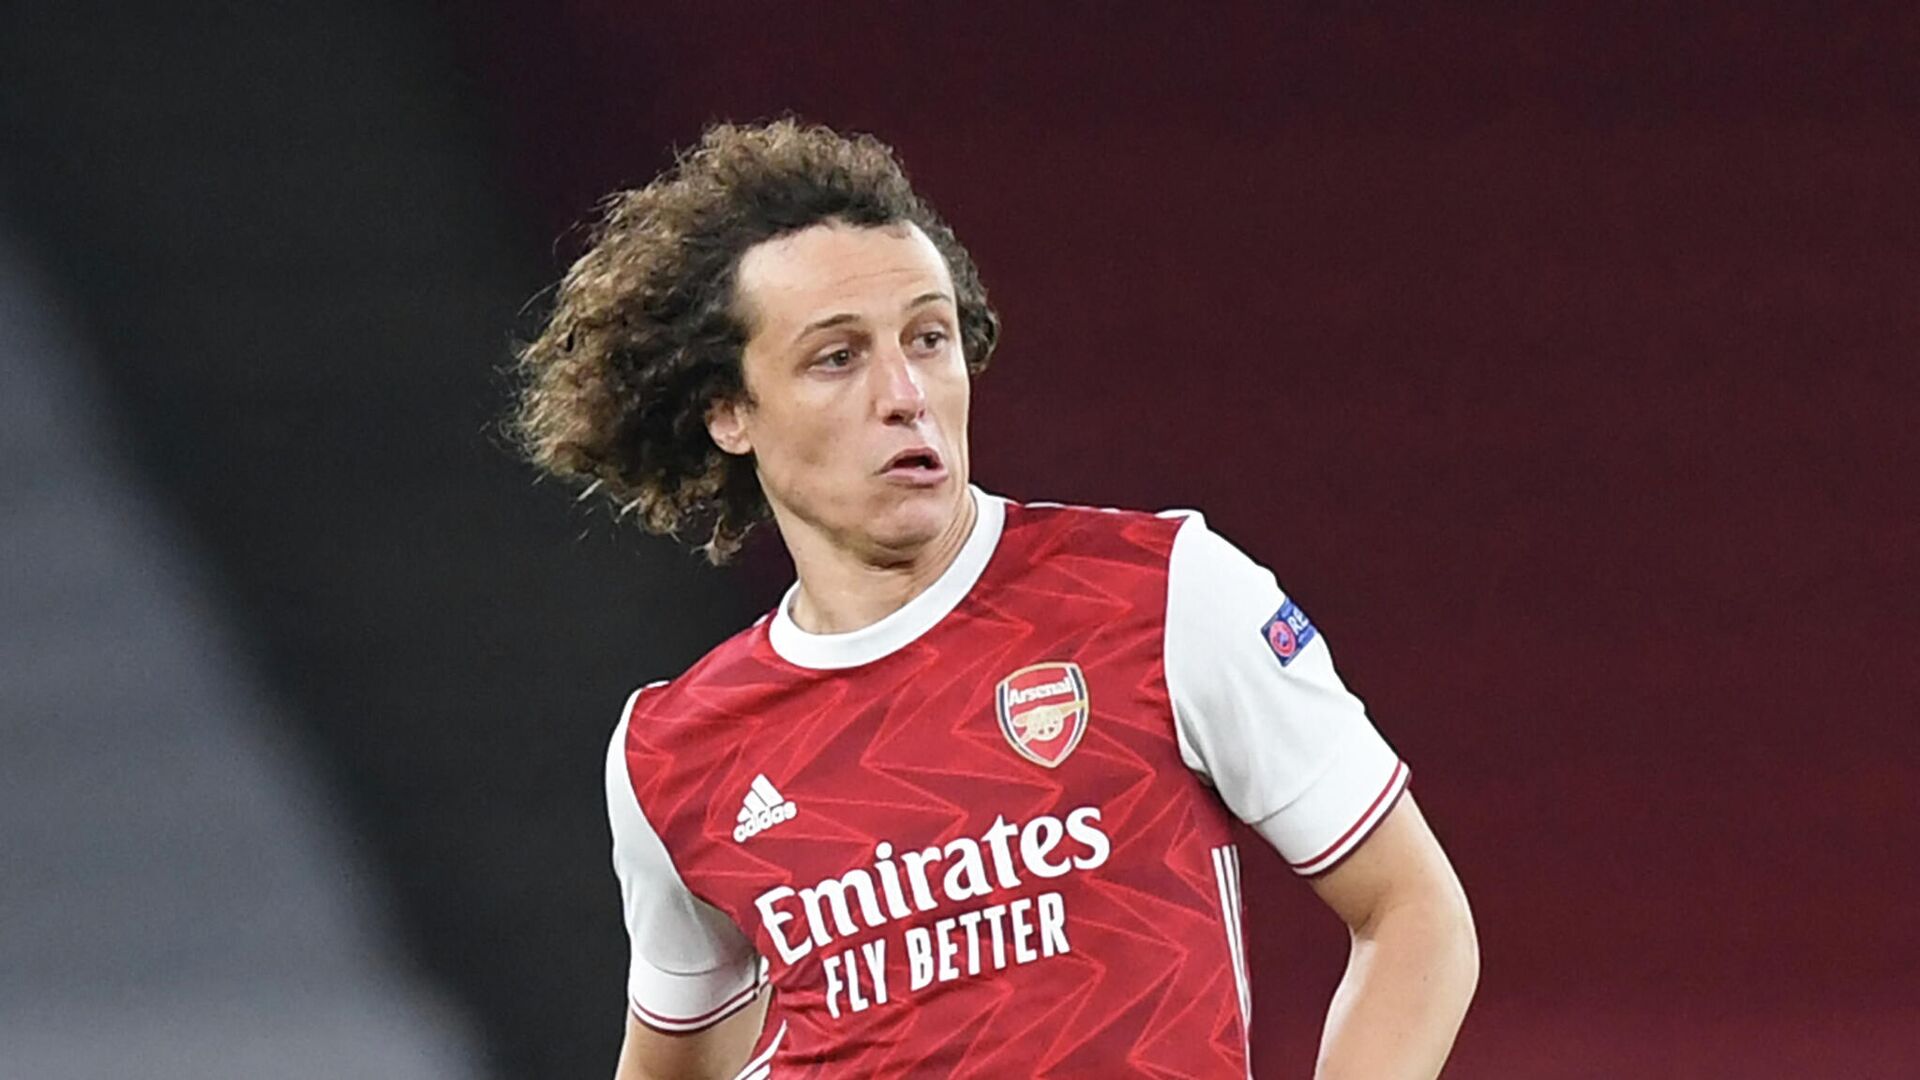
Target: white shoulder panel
<point x="1262" y="715"/>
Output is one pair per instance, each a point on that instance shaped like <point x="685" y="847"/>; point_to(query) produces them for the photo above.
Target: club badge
<point x="1043" y="711"/>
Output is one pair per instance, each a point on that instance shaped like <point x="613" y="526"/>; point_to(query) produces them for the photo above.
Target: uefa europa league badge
<point x="1043" y="710"/>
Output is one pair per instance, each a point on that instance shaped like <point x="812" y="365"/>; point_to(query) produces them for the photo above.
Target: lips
<point x="917" y="458"/>
<point x="917" y="467"/>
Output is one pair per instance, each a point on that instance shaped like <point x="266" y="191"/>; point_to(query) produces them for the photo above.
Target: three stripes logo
<point x="1226" y="874"/>
<point x="764" y="808"/>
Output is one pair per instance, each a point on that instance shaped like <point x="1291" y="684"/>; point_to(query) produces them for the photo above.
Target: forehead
<point x="830" y="269"/>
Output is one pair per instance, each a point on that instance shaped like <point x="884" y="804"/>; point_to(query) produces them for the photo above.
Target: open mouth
<point x="918" y="461"/>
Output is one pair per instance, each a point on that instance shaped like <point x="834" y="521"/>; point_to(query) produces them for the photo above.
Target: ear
<point x="727" y="425"/>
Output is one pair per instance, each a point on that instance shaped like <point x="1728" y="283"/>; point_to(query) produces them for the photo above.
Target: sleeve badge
<point x="1287" y="632"/>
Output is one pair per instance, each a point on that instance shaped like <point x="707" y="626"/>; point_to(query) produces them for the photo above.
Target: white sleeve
<point x="1260" y="712"/>
<point x="691" y="967"/>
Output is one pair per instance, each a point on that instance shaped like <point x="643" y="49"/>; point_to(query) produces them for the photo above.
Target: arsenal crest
<point x="1043" y="711"/>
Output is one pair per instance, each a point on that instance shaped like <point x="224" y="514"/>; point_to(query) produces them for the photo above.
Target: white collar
<point x="916" y="617"/>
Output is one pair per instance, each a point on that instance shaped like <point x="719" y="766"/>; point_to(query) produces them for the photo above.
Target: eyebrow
<point x="845" y="317"/>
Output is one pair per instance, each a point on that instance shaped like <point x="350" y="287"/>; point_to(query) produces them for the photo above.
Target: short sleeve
<point x="1260" y="711"/>
<point x="690" y="966"/>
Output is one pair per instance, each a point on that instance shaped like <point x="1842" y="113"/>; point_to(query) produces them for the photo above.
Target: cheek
<point x="951" y="397"/>
<point x="800" y="442"/>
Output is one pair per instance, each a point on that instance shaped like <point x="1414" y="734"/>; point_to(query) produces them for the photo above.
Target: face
<point x="859" y="391"/>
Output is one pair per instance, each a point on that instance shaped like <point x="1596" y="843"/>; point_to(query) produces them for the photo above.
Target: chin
<point x="907" y="528"/>
<point x="914" y="521"/>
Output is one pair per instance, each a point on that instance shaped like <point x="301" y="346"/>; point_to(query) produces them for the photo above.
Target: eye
<point x="835" y="360"/>
<point x="931" y="339"/>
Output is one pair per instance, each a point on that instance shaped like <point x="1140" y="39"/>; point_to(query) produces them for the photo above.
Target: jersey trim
<point x="1370" y="819"/>
<point x="705" y="1020"/>
<point x="900" y="629"/>
<point x="1226" y="875"/>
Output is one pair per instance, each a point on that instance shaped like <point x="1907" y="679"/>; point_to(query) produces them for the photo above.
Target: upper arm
<point x="1400" y="866"/>
<point x="1262" y="714"/>
<point x="694" y="980"/>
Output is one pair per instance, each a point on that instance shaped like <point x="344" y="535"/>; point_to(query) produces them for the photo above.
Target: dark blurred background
<point x="1564" y="365"/>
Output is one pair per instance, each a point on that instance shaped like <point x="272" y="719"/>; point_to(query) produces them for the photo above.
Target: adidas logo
<point x="765" y="807"/>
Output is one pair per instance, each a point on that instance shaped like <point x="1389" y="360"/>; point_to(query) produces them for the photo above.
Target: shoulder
<point x="740" y="660"/>
<point x="1044" y="527"/>
<point x="669" y="731"/>
<point x="1178" y="542"/>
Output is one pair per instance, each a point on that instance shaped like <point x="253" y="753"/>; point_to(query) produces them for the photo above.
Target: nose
<point x="898" y="395"/>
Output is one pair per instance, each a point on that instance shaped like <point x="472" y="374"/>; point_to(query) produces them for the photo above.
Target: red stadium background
<point x="1565" y="368"/>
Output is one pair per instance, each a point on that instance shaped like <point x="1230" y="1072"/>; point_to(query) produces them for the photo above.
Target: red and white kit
<point x="988" y="835"/>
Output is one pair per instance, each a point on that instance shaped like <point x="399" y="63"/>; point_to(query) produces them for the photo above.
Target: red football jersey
<point x="988" y="836"/>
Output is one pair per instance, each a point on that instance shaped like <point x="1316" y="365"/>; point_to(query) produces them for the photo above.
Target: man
<point x="960" y="806"/>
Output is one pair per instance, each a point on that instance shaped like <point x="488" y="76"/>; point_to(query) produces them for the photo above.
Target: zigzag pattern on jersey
<point x="908" y="750"/>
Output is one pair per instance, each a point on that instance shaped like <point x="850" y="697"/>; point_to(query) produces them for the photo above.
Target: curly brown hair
<point x="646" y="336"/>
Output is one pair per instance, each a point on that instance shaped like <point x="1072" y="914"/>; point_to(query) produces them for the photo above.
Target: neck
<point x="842" y="589"/>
